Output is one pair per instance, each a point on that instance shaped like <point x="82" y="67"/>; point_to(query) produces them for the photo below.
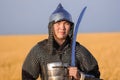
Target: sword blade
<point x="74" y="37"/>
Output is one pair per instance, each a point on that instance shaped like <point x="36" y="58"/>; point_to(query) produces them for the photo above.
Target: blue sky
<point x="32" y="16"/>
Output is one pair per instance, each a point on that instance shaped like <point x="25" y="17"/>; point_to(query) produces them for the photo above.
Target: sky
<point x="32" y="16"/>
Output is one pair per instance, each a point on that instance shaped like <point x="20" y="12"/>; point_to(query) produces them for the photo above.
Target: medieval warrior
<point x="51" y="57"/>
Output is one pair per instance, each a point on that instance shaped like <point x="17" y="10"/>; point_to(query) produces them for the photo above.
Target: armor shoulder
<point x="43" y="42"/>
<point x="82" y="49"/>
<point x="44" y="45"/>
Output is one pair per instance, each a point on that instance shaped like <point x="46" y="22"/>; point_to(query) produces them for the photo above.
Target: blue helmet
<point x="60" y="14"/>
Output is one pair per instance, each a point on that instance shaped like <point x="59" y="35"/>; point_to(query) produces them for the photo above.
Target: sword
<point x="74" y="37"/>
<point x="74" y="44"/>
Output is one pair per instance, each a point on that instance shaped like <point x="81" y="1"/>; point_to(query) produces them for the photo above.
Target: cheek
<point x="55" y="29"/>
<point x="68" y="29"/>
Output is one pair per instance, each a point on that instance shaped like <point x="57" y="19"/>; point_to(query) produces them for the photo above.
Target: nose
<point x="62" y="26"/>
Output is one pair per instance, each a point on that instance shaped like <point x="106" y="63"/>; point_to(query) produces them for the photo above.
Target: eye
<point x="67" y="23"/>
<point x="57" y="23"/>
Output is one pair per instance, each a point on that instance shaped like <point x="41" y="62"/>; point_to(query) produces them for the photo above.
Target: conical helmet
<point x="60" y="14"/>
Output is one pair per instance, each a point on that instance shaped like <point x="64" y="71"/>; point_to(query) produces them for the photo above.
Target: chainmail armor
<point x="38" y="57"/>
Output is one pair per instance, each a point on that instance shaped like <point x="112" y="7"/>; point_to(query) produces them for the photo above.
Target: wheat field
<point x="105" y="47"/>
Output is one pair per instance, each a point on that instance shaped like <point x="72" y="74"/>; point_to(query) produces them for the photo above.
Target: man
<point x="51" y="57"/>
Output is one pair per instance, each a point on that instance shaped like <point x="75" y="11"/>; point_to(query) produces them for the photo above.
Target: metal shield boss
<point x="57" y="71"/>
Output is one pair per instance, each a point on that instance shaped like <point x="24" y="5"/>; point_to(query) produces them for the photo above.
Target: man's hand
<point x="73" y="73"/>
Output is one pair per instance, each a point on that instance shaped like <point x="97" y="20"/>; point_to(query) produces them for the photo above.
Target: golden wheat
<point x="104" y="47"/>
